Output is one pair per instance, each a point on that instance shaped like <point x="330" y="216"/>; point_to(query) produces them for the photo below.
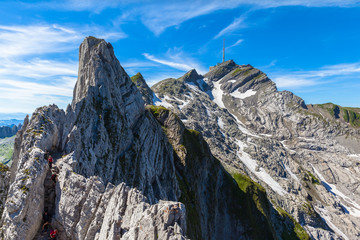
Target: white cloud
<point x="24" y="40"/>
<point x="293" y="82"/>
<point x="25" y="96"/>
<point x="180" y="66"/>
<point x="160" y="15"/>
<point x="299" y="79"/>
<point x="36" y="68"/>
<point x="157" y="16"/>
<point x="238" y="42"/>
<point x="236" y="24"/>
<point x="29" y="75"/>
<point x="177" y="59"/>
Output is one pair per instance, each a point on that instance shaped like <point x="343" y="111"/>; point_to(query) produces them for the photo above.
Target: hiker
<point x="50" y="160"/>
<point x="53" y="234"/>
<point x="46" y="224"/>
<point x="53" y="177"/>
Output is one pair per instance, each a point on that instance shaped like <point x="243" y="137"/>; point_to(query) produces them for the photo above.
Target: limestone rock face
<point x="24" y="205"/>
<point x="305" y="157"/>
<point x="4" y="185"/>
<point x="146" y="92"/>
<point x="89" y="209"/>
<point x="217" y="206"/>
<point x="115" y="167"/>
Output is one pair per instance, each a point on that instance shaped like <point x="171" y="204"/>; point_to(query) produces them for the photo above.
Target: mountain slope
<point x="301" y="156"/>
<point x="104" y="146"/>
<point x="126" y="171"/>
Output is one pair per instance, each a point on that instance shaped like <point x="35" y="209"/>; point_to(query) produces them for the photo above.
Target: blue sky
<point x="310" y="47"/>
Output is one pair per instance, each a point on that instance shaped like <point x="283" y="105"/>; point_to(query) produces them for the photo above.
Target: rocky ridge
<point x="102" y="162"/>
<point x="306" y="159"/>
<point x="126" y="171"/>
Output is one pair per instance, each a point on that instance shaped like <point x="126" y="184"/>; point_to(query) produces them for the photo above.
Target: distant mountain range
<point x="9" y="116"/>
<point x="9" y="131"/>
<point x="10" y="122"/>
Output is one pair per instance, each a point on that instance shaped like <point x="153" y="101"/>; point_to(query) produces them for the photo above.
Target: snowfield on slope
<point x="248" y="93"/>
<point x="353" y="209"/>
<point x="261" y="173"/>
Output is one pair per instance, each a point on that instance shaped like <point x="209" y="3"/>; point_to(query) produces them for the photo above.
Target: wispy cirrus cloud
<point x="37" y="68"/>
<point x="299" y="79"/>
<point x="173" y="13"/>
<point x="238" y="42"/>
<point x="29" y="73"/>
<point x="23" y="96"/>
<point x="235" y="25"/>
<point x="175" y="58"/>
<point x="24" y="40"/>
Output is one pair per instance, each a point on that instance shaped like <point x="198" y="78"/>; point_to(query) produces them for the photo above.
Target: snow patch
<point x="183" y="102"/>
<point x="353" y="209"/>
<point x="217" y="93"/>
<point x="325" y="215"/>
<point x="242" y="128"/>
<point x="291" y="173"/>
<point x="261" y="174"/>
<point x="265" y="135"/>
<point x="220" y="123"/>
<point x="193" y="87"/>
<point x="201" y="83"/>
<point x="158" y="102"/>
<point x="246" y="94"/>
<point x="232" y="81"/>
<point x="286" y="147"/>
<point x="208" y="111"/>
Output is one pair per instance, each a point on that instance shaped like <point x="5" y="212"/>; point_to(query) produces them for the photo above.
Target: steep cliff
<point x="126" y="171"/>
<point x="304" y="155"/>
<point x="116" y="169"/>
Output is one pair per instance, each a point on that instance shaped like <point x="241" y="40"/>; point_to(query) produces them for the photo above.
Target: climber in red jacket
<point x="50" y="160"/>
<point x="53" y="234"/>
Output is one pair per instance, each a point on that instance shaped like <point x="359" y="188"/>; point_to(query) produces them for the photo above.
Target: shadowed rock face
<point x="299" y="153"/>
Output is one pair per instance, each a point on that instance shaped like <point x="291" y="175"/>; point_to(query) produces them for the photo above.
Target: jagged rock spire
<point x="147" y="93"/>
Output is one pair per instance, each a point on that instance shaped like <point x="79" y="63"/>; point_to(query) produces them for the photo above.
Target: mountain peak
<point x="94" y="54"/>
<point x="191" y="76"/>
<point x="147" y="93"/>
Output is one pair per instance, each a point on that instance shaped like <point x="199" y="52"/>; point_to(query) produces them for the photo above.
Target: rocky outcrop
<point x="116" y="168"/>
<point x="8" y="131"/>
<point x="218" y="207"/>
<point x="146" y="92"/>
<point x="4" y="185"/>
<point x="278" y="141"/>
<point x="25" y="200"/>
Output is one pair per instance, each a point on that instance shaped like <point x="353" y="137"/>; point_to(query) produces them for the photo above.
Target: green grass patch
<point x="236" y="71"/>
<point x="135" y="79"/>
<point x="24" y="189"/>
<point x="192" y="216"/>
<point x="6" y="152"/>
<point x="308" y="176"/>
<point x="255" y="190"/>
<point x="156" y="110"/>
<point x="297" y="232"/>
<point x="3" y="168"/>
